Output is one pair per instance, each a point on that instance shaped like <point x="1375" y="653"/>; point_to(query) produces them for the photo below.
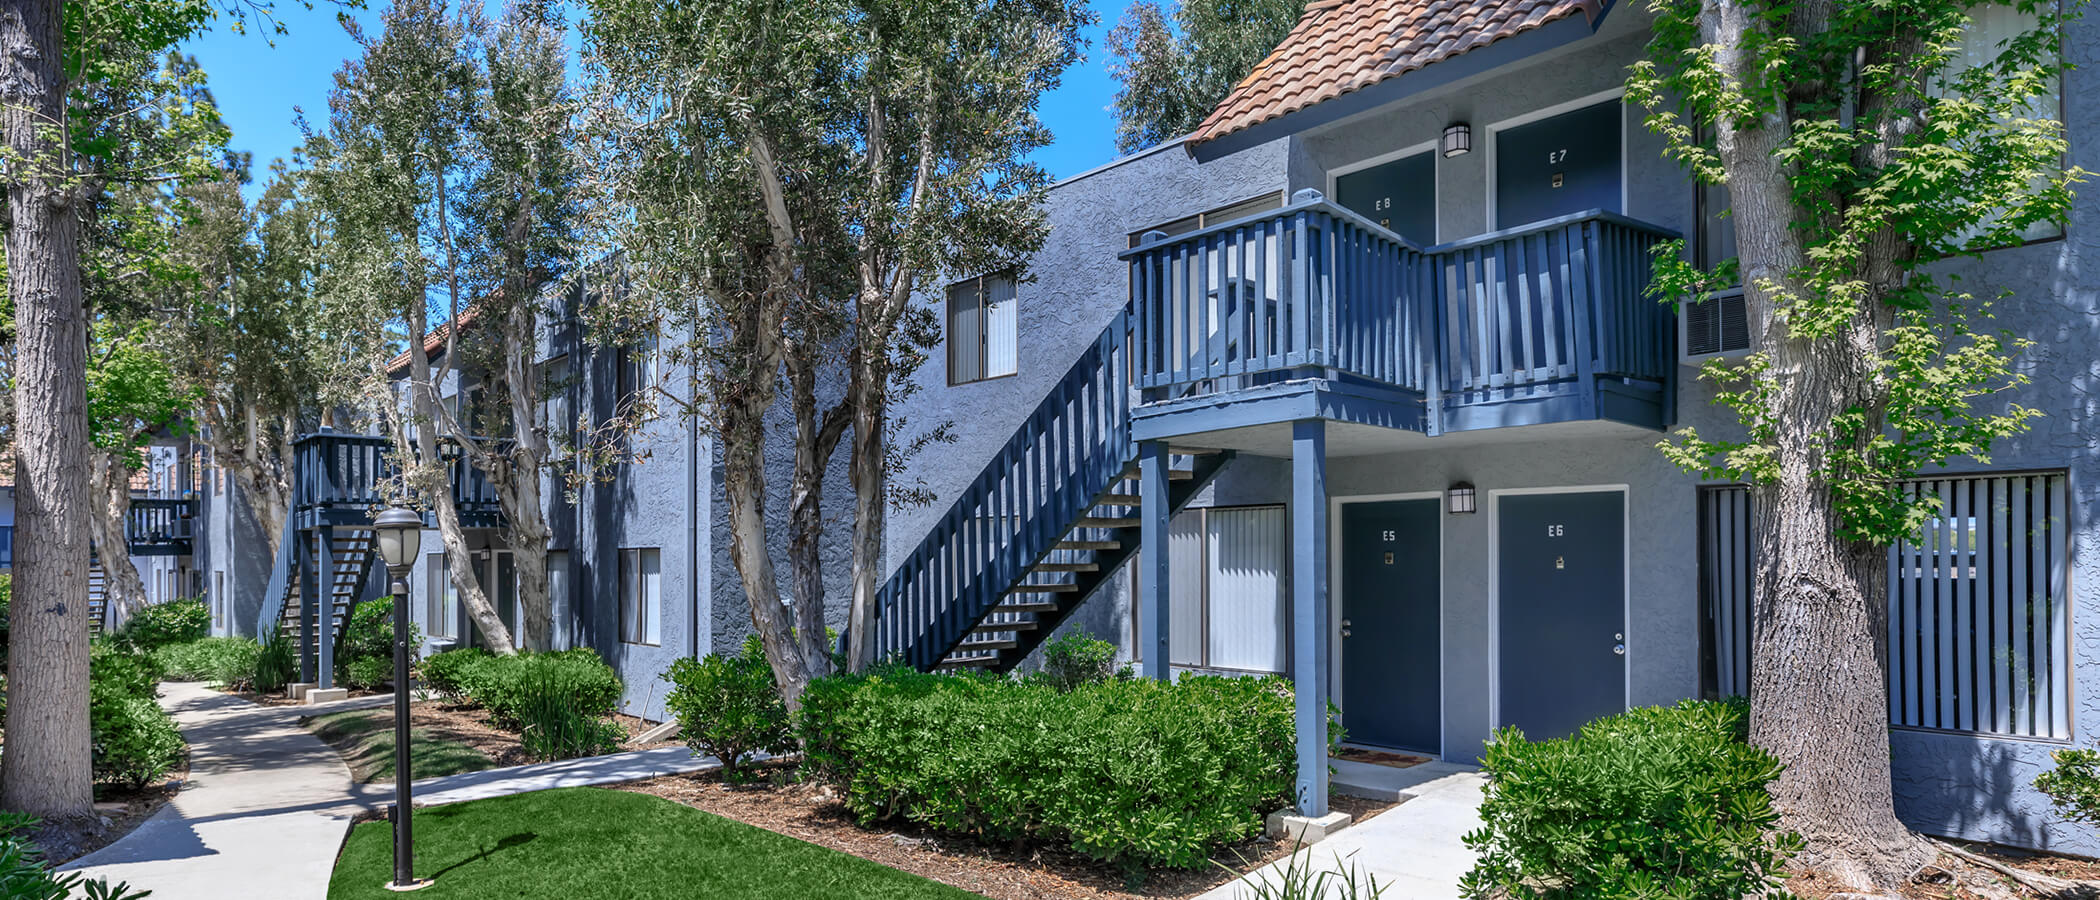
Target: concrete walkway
<point x="262" y="815"/>
<point x="267" y="803"/>
<point x="1413" y="849"/>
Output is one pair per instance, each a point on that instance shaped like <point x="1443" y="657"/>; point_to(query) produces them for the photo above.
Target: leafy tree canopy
<point x="1175" y="68"/>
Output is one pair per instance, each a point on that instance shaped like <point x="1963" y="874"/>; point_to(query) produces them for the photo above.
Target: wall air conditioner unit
<point x="1715" y="328"/>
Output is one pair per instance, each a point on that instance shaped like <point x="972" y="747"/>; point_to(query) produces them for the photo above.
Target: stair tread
<point x="1118" y="499"/>
<point x="1088" y="545"/>
<point x="1036" y="606"/>
<point x="1053" y="587"/>
<point x="1105" y="522"/>
<point x="989" y="627"/>
<point x="1067" y="567"/>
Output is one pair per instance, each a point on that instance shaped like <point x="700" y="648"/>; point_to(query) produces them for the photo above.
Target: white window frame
<point x="1010" y="327"/>
<point x="641" y="596"/>
<point x="1205" y="632"/>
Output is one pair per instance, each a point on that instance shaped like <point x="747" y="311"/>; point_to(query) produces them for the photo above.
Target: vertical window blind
<point x="1227" y="567"/>
<point x="984" y="329"/>
<point x="1979" y="604"/>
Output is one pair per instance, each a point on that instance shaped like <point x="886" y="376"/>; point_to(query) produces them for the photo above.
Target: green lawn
<point x="365" y="738"/>
<point x="586" y="843"/>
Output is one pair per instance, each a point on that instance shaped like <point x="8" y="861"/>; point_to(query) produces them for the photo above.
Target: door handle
<point x="1618" y="649"/>
<point x="1345" y="632"/>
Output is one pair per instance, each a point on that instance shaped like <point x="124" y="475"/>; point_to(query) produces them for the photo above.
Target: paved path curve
<point x="1413" y="849"/>
<point x="267" y="803"/>
<point x="263" y="813"/>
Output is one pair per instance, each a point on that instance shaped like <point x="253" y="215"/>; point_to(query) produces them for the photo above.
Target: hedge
<point x="1653" y="802"/>
<point x="227" y="661"/>
<point x="557" y="702"/>
<point x="1136" y="773"/>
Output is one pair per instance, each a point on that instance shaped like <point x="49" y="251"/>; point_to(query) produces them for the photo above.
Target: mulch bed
<point x="1381" y="757"/>
<point x="118" y="811"/>
<point x="813" y="813"/>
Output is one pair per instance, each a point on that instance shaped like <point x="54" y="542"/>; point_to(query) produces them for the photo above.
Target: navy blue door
<point x="1561" y="622"/>
<point x="1400" y="195"/>
<point x="1392" y="682"/>
<point x="1558" y="165"/>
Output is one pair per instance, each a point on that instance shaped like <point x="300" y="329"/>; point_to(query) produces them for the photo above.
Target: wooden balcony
<point x="159" y="527"/>
<point x="1313" y="311"/>
<point x="343" y="479"/>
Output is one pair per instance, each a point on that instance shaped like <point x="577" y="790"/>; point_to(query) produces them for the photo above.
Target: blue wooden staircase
<point x="1049" y="520"/>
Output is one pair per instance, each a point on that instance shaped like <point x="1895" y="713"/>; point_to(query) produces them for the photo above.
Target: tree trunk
<point x="1818" y="692"/>
<point x="46" y="770"/>
<point x="744" y="480"/>
<point x="517" y="478"/>
<point x="109" y="490"/>
<point x="816" y="439"/>
<point x="870" y="476"/>
<point x="434" y="480"/>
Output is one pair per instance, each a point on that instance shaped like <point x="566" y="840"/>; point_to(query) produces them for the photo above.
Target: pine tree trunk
<point x="46" y="770"/>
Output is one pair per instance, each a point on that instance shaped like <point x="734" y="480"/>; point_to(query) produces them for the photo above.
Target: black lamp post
<point x="400" y="534"/>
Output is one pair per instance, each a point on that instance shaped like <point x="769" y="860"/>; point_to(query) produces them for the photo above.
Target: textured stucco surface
<point x="1946" y="783"/>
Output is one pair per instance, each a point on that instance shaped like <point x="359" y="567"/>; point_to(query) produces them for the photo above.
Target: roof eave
<point x="1552" y="35"/>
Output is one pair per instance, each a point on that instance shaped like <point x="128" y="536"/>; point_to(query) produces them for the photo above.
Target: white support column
<point x="1309" y="637"/>
<point x="1154" y="600"/>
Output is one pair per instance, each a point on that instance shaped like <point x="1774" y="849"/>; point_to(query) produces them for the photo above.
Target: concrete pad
<point x="1413" y="850"/>
<point x="662" y="732"/>
<point x="1385" y="783"/>
<point x="297" y="689"/>
<point x="1283" y="825"/>
<point x="315" y="696"/>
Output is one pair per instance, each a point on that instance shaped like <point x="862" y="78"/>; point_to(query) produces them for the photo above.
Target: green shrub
<point x="228" y="661"/>
<point x="728" y="707"/>
<point x="25" y="876"/>
<point x="1138" y="773"/>
<point x="2074" y="785"/>
<point x="556" y="722"/>
<point x="367" y="673"/>
<point x="1075" y="658"/>
<point x="276" y="662"/>
<point x="173" y="622"/>
<point x="500" y="684"/>
<point x="1653" y="802"/>
<point x="134" y="740"/>
<point x="442" y="672"/>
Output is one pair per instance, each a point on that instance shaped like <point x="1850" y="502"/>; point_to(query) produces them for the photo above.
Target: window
<point x="1227" y="596"/>
<point x="558" y="597"/>
<point x="639" y="368"/>
<point x="1979" y="605"/>
<point x="641" y="596"/>
<point x="441" y="614"/>
<point x="1251" y="206"/>
<point x="1990" y="26"/>
<point x="983" y="329"/>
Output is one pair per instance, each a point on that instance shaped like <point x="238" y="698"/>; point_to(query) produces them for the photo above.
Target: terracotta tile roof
<point x="1340" y="46"/>
<point x="434" y="341"/>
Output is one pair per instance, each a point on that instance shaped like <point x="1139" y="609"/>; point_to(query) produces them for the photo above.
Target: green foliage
<point x="1173" y="74"/>
<point x="227" y="661"/>
<point x="1077" y="658"/>
<point x="366" y="657"/>
<point x="1873" y="172"/>
<point x="276" y="663"/>
<point x="134" y="740"/>
<point x="558" y="717"/>
<point x="1136" y="773"/>
<point x="173" y="622"/>
<point x="728" y="707"/>
<point x="1651" y="803"/>
<point x="537" y="694"/>
<point x="442" y="672"/>
<point x="2074" y="785"/>
<point x="25" y="876"/>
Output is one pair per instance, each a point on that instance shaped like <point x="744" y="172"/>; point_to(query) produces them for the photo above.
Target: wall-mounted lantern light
<point x="1458" y="139"/>
<point x="1458" y="499"/>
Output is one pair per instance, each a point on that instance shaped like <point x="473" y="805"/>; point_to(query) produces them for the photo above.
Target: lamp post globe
<point x="400" y="533"/>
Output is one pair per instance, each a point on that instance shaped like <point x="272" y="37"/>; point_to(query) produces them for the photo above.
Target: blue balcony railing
<point x="160" y="527"/>
<point x="1314" y="290"/>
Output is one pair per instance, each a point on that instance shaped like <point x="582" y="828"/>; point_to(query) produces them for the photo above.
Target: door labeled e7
<point x="1567" y="163"/>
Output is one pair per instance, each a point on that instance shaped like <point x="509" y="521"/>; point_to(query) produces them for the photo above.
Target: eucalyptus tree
<point x="131" y="395"/>
<point x="798" y="173"/>
<point x="1860" y="144"/>
<point x="386" y="173"/>
<point x="1175" y="67"/>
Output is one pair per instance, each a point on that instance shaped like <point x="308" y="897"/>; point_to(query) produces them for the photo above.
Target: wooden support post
<point x="302" y="560"/>
<point x="1309" y="637"/>
<point x="1154" y="605"/>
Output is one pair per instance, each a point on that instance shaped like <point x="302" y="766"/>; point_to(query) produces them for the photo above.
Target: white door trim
<point x="1617" y="93"/>
<point x="1495" y="587"/>
<point x="1335" y="607"/>
<point x="1436" y="180"/>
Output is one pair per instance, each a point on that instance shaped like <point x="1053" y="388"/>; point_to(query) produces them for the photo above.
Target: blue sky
<point x="260" y="87"/>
